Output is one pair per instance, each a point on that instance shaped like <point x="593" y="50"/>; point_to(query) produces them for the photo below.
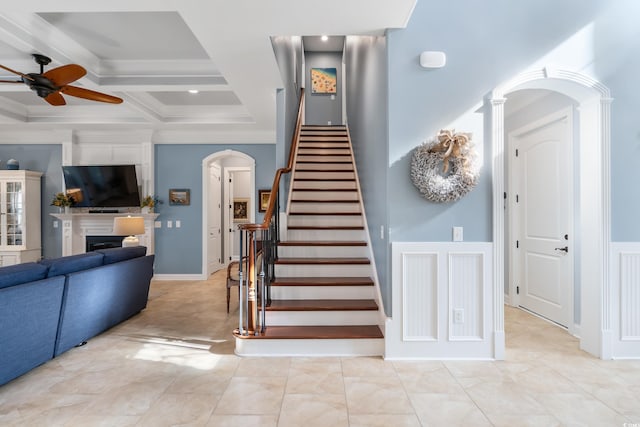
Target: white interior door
<point x="543" y="216"/>
<point x="214" y="236"/>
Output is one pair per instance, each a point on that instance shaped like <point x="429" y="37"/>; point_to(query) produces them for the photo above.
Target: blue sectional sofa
<point x="49" y="307"/>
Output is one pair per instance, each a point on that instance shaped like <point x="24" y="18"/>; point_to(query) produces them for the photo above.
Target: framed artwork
<point x="263" y="200"/>
<point x="324" y="80"/>
<point x="180" y="196"/>
<point x="240" y="210"/>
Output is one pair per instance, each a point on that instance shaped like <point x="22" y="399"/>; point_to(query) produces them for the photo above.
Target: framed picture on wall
<point x="324" y="80"/>
<point x="263" y="200"/>
<point x="240" y="210"/>
<point x="180" y="196"/>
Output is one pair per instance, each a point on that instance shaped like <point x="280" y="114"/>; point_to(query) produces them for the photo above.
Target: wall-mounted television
<point x="102" y="186"/>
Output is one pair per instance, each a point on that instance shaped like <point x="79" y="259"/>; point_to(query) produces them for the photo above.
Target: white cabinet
<point x="19" y="217"/>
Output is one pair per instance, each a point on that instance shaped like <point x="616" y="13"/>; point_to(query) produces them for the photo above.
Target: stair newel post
<point x="251" y="277"/>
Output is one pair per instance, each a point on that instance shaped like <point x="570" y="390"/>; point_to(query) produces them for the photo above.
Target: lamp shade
<point x="128" y="225"/>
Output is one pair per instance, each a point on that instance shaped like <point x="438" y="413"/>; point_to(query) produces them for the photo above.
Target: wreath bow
<point x="451" y="144"/>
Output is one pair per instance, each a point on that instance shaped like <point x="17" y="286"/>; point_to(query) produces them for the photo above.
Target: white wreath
<point x="454" y="182"/>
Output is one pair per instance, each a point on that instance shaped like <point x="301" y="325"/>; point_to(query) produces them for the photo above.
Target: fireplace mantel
<point x="76" y="226"/>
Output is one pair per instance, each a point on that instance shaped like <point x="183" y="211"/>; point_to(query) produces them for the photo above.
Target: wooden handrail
<point x="276" y="180"/>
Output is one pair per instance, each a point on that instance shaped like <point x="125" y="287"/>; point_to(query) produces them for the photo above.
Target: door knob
<point x="565" y="249"/>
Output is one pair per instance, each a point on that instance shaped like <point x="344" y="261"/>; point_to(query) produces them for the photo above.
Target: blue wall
<point x="179" y="250"/>
<point x="47" y="159"/>
<point x="366" y="80"/>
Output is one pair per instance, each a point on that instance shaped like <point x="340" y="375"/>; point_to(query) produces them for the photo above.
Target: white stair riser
<point x="324" y="185"/>
<point x="325" y="195"/>
<point x="322" y="151"/>
<point x="351" y="207"/>
<point x="325" y="220"/>
<point x="324" y="159"/>
<point x="324" y="175"/>
<point x="339" y="235"/>
<point x="322" y="292"/>
<point x="322" y="318"/>
<point x="323" y="251"/>
<point x="352" y="270"/>
<point x="325" y="166"/>
<point x="318" y="144"/>
<point x="310" y="347"/>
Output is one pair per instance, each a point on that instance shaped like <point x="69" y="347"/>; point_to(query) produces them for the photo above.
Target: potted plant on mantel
<point x="62" y="201"/>
<point x="149" y="203"/>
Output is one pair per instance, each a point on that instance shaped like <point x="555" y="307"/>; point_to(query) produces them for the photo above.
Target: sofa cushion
<point x="21" y="273"/>
<point x="113" y="255"/>
<point x="73" y="263"/>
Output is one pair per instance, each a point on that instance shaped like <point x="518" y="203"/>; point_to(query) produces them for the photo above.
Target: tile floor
<point x="174" y="365"/>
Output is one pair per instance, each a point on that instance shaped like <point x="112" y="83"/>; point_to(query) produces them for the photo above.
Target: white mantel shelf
<point x="76" y="226"/>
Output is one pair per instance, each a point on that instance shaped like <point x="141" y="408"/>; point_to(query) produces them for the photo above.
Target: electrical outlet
<point x="157" y="224"/>
<point x="55" y="224"/>
<point x="178" y="223"/>
<point x="169" y="224"/>
<point x="458" y="315"/>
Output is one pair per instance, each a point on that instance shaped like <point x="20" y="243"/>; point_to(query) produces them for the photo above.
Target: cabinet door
<point x="13" y="210"/>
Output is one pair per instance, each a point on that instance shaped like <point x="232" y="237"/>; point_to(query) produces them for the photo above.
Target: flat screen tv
<point x="105" y="186"/>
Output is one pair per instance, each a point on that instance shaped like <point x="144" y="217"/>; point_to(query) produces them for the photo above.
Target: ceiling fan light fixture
<point x="324" y="38"/>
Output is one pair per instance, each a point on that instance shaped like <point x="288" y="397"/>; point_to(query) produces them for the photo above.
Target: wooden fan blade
<point x="81" y="92"/>
<point x="16" y="72"/>
<point x="65" y="74"/>
<point x="54" y="98"/>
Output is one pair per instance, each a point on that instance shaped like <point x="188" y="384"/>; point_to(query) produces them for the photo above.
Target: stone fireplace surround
<point x="77" y="226"/>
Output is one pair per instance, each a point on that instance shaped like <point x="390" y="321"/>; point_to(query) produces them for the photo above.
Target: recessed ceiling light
<point x="324" y="38"/>
<point x="193" y="91"/>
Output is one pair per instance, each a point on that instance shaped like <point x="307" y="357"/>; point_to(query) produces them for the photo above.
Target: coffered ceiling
<point x="152" y="52"/>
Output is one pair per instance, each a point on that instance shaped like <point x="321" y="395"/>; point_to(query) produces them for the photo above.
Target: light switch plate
<point x="458" y="234"/>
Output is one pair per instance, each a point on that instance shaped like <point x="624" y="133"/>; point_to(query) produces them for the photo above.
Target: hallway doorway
<point x="227" y="176"/>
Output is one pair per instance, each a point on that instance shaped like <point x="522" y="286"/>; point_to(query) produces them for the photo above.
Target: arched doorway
<point x="594" y="206"/>
<point x="218" y="170"/>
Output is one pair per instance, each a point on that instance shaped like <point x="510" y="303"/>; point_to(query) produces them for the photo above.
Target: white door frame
<point x="595" y="200"/>
<point x="212" y="158"/>
<point x="514" y="222"/>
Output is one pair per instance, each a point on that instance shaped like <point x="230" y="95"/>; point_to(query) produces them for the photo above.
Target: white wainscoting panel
<point x="420" y="296"/>
<point x="431" y="282"/>
<point x="466" y="281"/>
<point x="625" y="299"/>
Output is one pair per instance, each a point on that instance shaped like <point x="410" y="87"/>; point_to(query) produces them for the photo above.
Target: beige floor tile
<point x="438" y="381"/>
<point x="179" y="409"/>
<point x="416" y="367"/>
<point x="504" y="398"/>
<point x="367" y="367"/>
<point x="263" y="367"/>
<point x="313" y="410"/>
<point x="243" y="421"/>
<point x="580" y="409"/>
<point x="384" y="420"/>
<point x="302" y="383"/>
<point x="200" y="382"/>
<point x="46" y="410"/>
<point x="253" y="396"/>
<point x="132" y="399"/>
<point x="104" y="421"/>
<point x="447" y="410"/>
<point x="376" y="395"/>
<point x="523" y="420"/>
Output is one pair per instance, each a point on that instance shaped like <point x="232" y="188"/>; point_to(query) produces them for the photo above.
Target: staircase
<point x="324" y="301"/>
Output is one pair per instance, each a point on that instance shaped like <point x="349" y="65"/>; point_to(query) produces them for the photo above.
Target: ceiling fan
<point x="52" y="84"/>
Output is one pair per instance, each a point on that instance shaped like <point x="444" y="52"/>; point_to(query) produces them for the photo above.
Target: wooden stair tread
<point x="318" y="332"/>
<point x="322" y="261"/>
<point x="324" y="179"/>
<point x="327" y="213"/>
<point x="323" y="305"/>
<point x="322" y="243"/>
<point x="322" y="281"/>
<point x="324" y="201"/>
<point x="325" y="189"/>
<point x="326" y="227"/>
<point x="298" y="169"/>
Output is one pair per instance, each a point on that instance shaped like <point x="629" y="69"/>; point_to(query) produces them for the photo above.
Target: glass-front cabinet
<point x="19" y="217"/>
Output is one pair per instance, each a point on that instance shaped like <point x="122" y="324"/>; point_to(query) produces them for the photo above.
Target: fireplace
<point x="102" y="242"/>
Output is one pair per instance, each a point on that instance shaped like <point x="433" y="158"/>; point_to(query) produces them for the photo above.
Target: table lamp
<point x="128" y="226"/>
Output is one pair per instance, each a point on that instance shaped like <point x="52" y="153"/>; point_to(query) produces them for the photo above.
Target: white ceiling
<point x="150" y="52"/>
